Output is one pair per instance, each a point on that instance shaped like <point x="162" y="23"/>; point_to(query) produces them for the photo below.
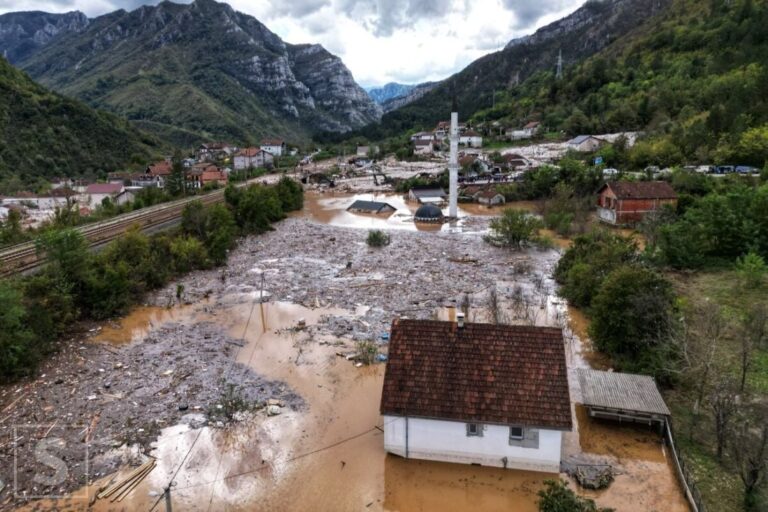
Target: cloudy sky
<point x="407" y="41"/>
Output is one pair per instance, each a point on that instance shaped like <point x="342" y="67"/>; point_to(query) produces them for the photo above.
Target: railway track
<point x="22" y="258"/>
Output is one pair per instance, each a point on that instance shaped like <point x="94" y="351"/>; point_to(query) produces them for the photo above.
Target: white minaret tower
<point x="453" y="166"/>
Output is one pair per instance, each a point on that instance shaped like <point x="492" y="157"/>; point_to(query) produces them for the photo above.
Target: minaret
<point x="453" y="164"/>
<point x="559" y="73"/>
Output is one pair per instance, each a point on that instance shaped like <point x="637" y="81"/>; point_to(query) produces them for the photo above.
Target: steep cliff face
<point x="201" y="71"/>
<point x="390" y="91"/>
<point x="23" y="33"/>
<point x="415" y="93"/>
<point x="587" y="31"/>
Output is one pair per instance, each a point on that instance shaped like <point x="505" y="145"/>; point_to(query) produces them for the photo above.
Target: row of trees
<point x="78" y="284"/>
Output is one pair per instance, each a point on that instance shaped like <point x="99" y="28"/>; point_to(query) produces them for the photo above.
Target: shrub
<point x="558" y="497"/>
<point x="377" y="238"/>
<point x="752" y="269"/>
<point x="514" y="229"/>
<point x="188" y="254"/>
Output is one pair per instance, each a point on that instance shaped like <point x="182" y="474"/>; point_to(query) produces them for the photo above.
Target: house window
<point x="474" y="429"/>
<point x="515" y="433"/>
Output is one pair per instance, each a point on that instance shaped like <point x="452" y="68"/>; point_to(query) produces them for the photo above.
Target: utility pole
<point x="168" y="507"/>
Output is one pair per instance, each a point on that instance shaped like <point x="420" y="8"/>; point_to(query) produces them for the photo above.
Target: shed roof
<point x="428" y="191"/>
<point x="502" y="374"/>
<point x="582" y="138"/>
<point x="622" y="391"/>
<point x="641" y="189"/>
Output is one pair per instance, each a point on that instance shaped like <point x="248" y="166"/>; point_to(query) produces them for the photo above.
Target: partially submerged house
<point x="495" y="395"/>
<point x="627" y="202"/>
<point x="427" y="194"/>
<point x="490" y="197"/>
<point x="375" y="207"/>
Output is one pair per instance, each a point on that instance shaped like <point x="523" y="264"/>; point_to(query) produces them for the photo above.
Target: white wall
<point x="448" y="441"/>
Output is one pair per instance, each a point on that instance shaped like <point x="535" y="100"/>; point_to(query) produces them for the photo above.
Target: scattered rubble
<point x="116" y="400"/>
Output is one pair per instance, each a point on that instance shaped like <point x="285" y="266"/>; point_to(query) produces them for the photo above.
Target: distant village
<point x="211" y="166"/>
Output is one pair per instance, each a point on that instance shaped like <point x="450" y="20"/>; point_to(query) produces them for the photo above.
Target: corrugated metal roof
<point x="622" y="391"/>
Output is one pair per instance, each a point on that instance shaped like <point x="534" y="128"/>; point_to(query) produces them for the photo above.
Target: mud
<point x="116" y="398"/>
<point x="288" y="307"/>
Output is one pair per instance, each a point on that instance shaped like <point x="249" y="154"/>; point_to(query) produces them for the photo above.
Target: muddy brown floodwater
<point x="328" y="454"/>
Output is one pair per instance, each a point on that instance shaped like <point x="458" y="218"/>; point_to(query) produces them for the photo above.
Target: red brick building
<point x="624" y="202"/>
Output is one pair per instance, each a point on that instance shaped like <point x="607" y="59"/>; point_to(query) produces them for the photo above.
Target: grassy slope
<point x="44" y="134"/>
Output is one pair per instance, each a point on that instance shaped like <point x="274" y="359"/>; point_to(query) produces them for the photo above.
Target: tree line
<point x="77" y="284"/>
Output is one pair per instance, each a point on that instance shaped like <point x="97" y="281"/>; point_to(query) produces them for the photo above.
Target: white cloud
<point x="406" y="41"/>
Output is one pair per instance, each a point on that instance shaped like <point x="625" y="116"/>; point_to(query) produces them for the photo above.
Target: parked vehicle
<point x="610" y="171"/>
<point x="747" y="169"/>
<point x="724" y="169"/>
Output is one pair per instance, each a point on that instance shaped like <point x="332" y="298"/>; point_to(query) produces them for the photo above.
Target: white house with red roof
<point x="250" y="158"/>
<point x="275" y="147"/>
<point x="95" y="193"/>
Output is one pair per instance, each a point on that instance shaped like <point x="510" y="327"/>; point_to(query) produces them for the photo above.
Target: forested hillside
<point x="44" y="134"/>
<point x="696" y="81"/>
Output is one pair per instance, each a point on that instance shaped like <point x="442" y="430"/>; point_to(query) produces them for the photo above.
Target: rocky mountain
<point x="390" y="91"/>
<point x="415" y="93"/>
<point x="202" y="71"/>
<point x="23" y="33"/>
<point x="588" y="30"/>
<point x="44" y="134"/>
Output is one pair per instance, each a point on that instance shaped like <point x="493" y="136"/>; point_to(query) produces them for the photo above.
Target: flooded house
<point x="585" y="143"/>
<point x="490" y="197"/>
<point x="623" y="202"/>
<point x="427" y="194"/>
<point x="375" y="207"/>
<point x="494" y="395"/>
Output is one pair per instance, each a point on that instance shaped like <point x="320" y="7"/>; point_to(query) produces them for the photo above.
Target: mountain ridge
<point x="205" y="68"/>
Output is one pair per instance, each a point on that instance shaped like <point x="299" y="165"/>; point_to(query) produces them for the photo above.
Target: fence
<point x="685" y="476"/>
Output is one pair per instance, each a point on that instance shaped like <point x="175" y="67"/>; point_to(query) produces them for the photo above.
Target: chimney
<point x="460" y="319"/>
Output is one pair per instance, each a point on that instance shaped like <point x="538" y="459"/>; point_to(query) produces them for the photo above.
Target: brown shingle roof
<point x="513" y="375"/>
<point x="641" y="190"/>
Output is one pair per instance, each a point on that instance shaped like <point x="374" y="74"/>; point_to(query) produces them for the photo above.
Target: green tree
<point x="632" y="315"/>
<point x="514" y="229"/>
<point x="221" y="231"/>
<point x="176" y="184"/>
<point x="18" y="353"/>
<point x="188" y="254"/>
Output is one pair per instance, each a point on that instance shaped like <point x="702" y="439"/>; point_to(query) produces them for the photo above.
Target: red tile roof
<point x="503" y="374"/>
<point x="162" y="168"/>
<point x="641" y="189"/>
<point x="272" y="142"/>
<point x="249" y="152"/>
<point x="104" y="188"/>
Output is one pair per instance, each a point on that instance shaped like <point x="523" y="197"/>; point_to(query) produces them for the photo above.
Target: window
<point x="474" y="429"/>
<point x="515" y="433"/>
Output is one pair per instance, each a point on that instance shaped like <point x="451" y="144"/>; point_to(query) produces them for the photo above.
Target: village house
<point x="215" y="151"/>
<point x="494" y="395"/>
<point x="423" y="147"/>
<point x="375" y="207"/>
<point x="96" y="193"/>
<point x="425" y="136"/>
<point x="443" y="129"/>
<point x="427" y="194"/>
<point x="471" y="139"/>
<point x="585" y="143"/>
<point x="526" y="132"/>
<point x="250" y="158"/>
<point x="625" y="202"/>
<point x="490" y="197"/>
<point x="203" y="174"/>
<point x="155" y="175"/>
<point x="275" y="147"/>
